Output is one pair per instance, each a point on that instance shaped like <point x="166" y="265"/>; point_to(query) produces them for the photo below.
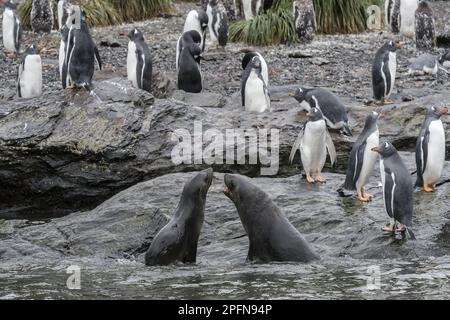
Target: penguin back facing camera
<point x="189" y="71"/>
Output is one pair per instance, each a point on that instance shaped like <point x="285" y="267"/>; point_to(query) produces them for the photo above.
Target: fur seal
<point x="272" y="237"/>
<point x="177" y="240"/>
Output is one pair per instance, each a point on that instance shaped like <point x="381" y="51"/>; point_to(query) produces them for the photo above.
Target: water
<point x="343" y="279"/>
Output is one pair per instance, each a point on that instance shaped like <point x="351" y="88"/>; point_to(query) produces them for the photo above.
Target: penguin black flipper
<point x="17" y="33"/>
<point x="389" y="192"/>
<point x="330" y="147"/>
<point x="97" y="58"/>
<point x="354" y="166"/>
<point x="139" y="66"/>
<point x="387" y="74"/>
<point x="422" y="156"/>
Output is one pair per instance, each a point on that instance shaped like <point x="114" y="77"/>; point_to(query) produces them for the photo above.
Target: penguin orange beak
<point x="444" y="111"/>
<point x="382" y="114"/>
<point x="376" y="149"/>
<point x="292" y="94"/>
<point x="399" y="45"/>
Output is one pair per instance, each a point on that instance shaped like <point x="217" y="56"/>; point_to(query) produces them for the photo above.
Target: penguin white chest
<point x="62" y="55"/>
<point x="31" y="77"/>
<point x="392" y="71"/>
<point x="369" y="159"/>
<point x="132" y="63"/>
<point x="255" y="95"/>
<point x="8" y="29"/>
<point x="313" y="147"/>
<point x="436" y="152"/>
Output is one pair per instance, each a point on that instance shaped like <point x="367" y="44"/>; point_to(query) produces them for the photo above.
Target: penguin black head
<point x="424" y="7"/>
<point x="247" y="58"/>
<point x="135" y="35"/>
<point x="436" y="112"/>
<point x="256" y="63"/>
<point x="203" y="19"/>
<point x="371" y="119"/>
<point x="314" y="114"/>
<point x="299" y="94"/>
<point x="32" y="49"/>
<point x="391" y="46"/>
<point x="11" y="5"/>
<point x="385" y="149"/>
<point x="195" y="51"/>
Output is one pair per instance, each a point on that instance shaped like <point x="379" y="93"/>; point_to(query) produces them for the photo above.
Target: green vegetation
<point x="108" y="12"/>
<point x="276" y="25"/>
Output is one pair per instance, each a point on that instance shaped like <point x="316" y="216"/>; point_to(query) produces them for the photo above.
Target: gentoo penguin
<point x="189" y="72"/>
<point x="362" y="159"/>
<point x="392" y="15"/>
<point x="424" y="27"/>
<point x="407" y="17"/>
<point x="314" y="141"/>
<point x="430" y="150"/>
<point x="12" y="28"/>
<point x="250" y="8"/>
<point x="384" y="69"/>
<point x="424" y="64"/>
<point x="63" y="6"/>
<point x="217" y="23"/>
<point x="186" y="39"/>
<point x="254" y="92"/>
<point x="305" y="19"/>
<point x="197" y="20"/>
<point x="397" y="190"/>
<point x="333" y="110"/>
<point x="444" y="60"/>
<point x="29" y="80"/>
<point x="264" y="70"/>
<point x="81" y="52"/>
<point x="139" y="61"/>
<point x="42" y="16"/>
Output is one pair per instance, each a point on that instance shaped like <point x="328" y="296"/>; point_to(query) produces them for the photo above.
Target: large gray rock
<point x="125" y="225"/>
<point x="69" y="151"/>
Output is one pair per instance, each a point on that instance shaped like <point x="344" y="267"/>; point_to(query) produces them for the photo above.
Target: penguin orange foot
<point x="319" y="178"/>
<point x="309" y="178"/>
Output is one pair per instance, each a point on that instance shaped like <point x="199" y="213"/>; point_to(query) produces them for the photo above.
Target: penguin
<point x="397" y="190"/>
<point x="186" y="39"/>
<point x="217" y="23"/>
<point x="264" y="70"/>
<point x="407" y="17"/>
<point x="392" y="15"/>
<point x="29" y="79"/>
<point x="250" y="8"/>
<point x="12" y="28"/>
<point x="63" y="6"/>
<point x="384" y="69"/>
<point x="424" y="27"/>
<point x="139" y="61"/>
<point x="197" y="20"/>
<point x="254" y="92"/>
<point x="305" y="19"/>
<point x="81" y="52"/>
<point x="430" y="150"/>
<point x="230" y="9"/>
<point x="42" y="16"/>
<point x="362" y="159"/>
<point x="314" y="141"/>
<point x="444" y="60"/>
<point x="424" y="64"/>
<point x="64" y="32"/>
<point x="189" y="72"/>
<point x="333" y="110"/>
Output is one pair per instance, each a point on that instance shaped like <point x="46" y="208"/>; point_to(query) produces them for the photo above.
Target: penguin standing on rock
<point x="189" y="72"/>
<point x="81" y="52"/>
<point x="29" y="80"/>
<point x="397" y="190"/>
<point x="254" y="92"/>
<point x="264" y="70"/>
<point x="217" y="23"/>
<point x="12" y="28"/>
<point x="42" y="16"/>
<point x="139" y="61"/>
<point x="362" y="159"/>
<point x="384" y="69"/>
<point x="333" y="110"/>
<point x="430" y="150"/>
<point x="424" y="27"/>
<point x="197" y="20"/>
<point x="305" y="19"/>
<point x="314" y="141"/>
<point x="392" y="15"/>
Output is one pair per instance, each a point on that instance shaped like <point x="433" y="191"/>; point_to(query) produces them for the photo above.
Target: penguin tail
<point x="410" y="233"/>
